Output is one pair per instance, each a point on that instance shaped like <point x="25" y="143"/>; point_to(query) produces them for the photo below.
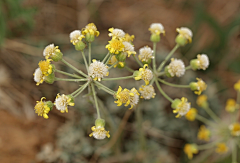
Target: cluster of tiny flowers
<point x="145" y="54"/>
<point x="145" y="74"/>
<point x="176" y="68"/>
<point x="182" y="107"/>
<point x="147" y="92"/>
<point x="97" y="70"/>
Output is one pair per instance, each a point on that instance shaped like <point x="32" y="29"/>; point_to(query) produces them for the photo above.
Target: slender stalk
<point x="119" y="78"/>
<point x="105" y="57"/>
<point x="128" y="68"/>
<point x="75" y="80"/>
<point x="188" y="67"/>
<point x="167" y="58"/>
<point x="89" y="53"/>
<point x="85" y="61"/>
<point x="74" y="68"/>
<point x="204" y="120"/>
<point x="234" y="153"/>
<point x="112" y="65"/>
<point x="208" y="145"/>
<point x="77" y="90"/>
<point x="162" y="92"/>
<point x="140" y="129"/>
<point x="140" y="63"/>
<point x="212" y="114"/>
<point x="108" y="59"/>
<point x="154" y="54"/>
<point x="173" y="85"/>
<point x="81" y="90"/>
<point x="103" y="87"/>
<point x="160" y="73"/>
<point x="68" y="74"/>
<point x="152" y="81"/>
<point x="95" y="100"/>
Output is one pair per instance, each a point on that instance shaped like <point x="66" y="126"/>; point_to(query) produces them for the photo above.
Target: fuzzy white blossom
<point x="176" y="67"/>
<point x="147" y="92"/>
<point x="145" y="53"/>
<point x="97" y="70"/>
<point x="116" y="33"/>
<point x="62" y="102"/>
<point x="186" y="33"/>
<point x="38" y="76"/>
<point x="203" y="61"/>
<point x="75" y="36"/>
<point x="156" y="28"/>
<point x="128" y="48"/>
<point x="134" y="98"/>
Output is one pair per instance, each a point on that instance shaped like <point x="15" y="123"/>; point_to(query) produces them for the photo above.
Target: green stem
<point x="162" y="92"/>
<point x="81" y="90"/>
<point x="140" y="63"/>
<point x="89" y="53"/>
<point x="129" y="69"/>
<point x="105" y="57"/>
<point x="112" y="65"/>
<point x="154" y="54"/>
<point x="188" y="67"/>
<point x="85" y="61"/>
<point x="103" y="87"/>
<point x="234" y="153"/>
<point x="173" y="85"/>
<point x="212" y="114"/>
<point x="75" y="80"/>
<point x="160" y="73"/>
<point x="77" y="90"/>
<point x="74" y="68"/>
<point x="119" y="78"/>
<point x="167" y="58"/>
<point x="204" y="120"/>
<point x="68" y="74"/>
<point x="209" y="145"/>
<point x="140" y="129"/>
<point x="108" y="59"/>
<point x="95" y="100"/>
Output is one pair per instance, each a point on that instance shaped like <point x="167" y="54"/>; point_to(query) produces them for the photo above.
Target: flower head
<point x="156" y="28"/>
<point x="202" y="101"/>
<point x="127" y="97"/>
<point x="76" y="36"/>
<point x="97" y="70"/>
<point x="203" y="133"/>
<point x="62" y="102"/>
<point x="128" y="38"/>
<point x="231" y="105"/>
<point x="145" y="54"/>
<point x="46" y="67"/>
<point x="221" y="148"/>
<point x="203" y="61"/>
<point x="115" y="46"/>
<point x="99" y="132"/>
<point x="190" y="149"/>
<point x="198" y="87"/>
<point x="135" y="98"/>
<point x="42" y="108"/>
<point x="50" y="51"/>
<point x="182" y="107"/>
<point x="176" y="68"/>
<point x="147" y="92"/>
<point x="185" y="33"/>
<point x="191" y="114"/>
<point x="145" y="74"/>
<point x="90" y="29"/>
<point x="116" y="33"/>
<point x="128" y="48"/>
<point x="237" y="86"/>
<point x="38" y="76"/>
<point x="235" y="129"/>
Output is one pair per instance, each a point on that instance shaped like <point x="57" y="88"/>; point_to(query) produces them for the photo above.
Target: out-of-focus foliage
<point x="15" y="19"/>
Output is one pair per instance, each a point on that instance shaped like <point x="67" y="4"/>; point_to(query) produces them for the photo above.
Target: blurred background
<point x="149" y="133"/>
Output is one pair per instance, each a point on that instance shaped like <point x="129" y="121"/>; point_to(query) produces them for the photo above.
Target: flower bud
<point x="57" y="56"/>
<point x="49" y="104"/>
<point x="181" y="40"/>
<point x="148" y="62"/>
<point x="80" y="46"/>
<point x="99" y="122"/>
<point x="195" y="64"/>
<point x="90" y="37"/>
<point x="121" y="64"/>
<point x="167" y="72"/>
<point x="121" y="57"/>
<point x="53" y="68"/>
<point x="137" y="75"/>
<point x="50" y="78"/>
<point x="175" y="103"/>
<point x="155" y="38"/>
<point x="194" y="86"/>
<point x="71" y="98"/>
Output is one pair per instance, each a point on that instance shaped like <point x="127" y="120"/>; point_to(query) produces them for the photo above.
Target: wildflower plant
<point x="120" y="48"/>
<point x="220" y="135"/>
